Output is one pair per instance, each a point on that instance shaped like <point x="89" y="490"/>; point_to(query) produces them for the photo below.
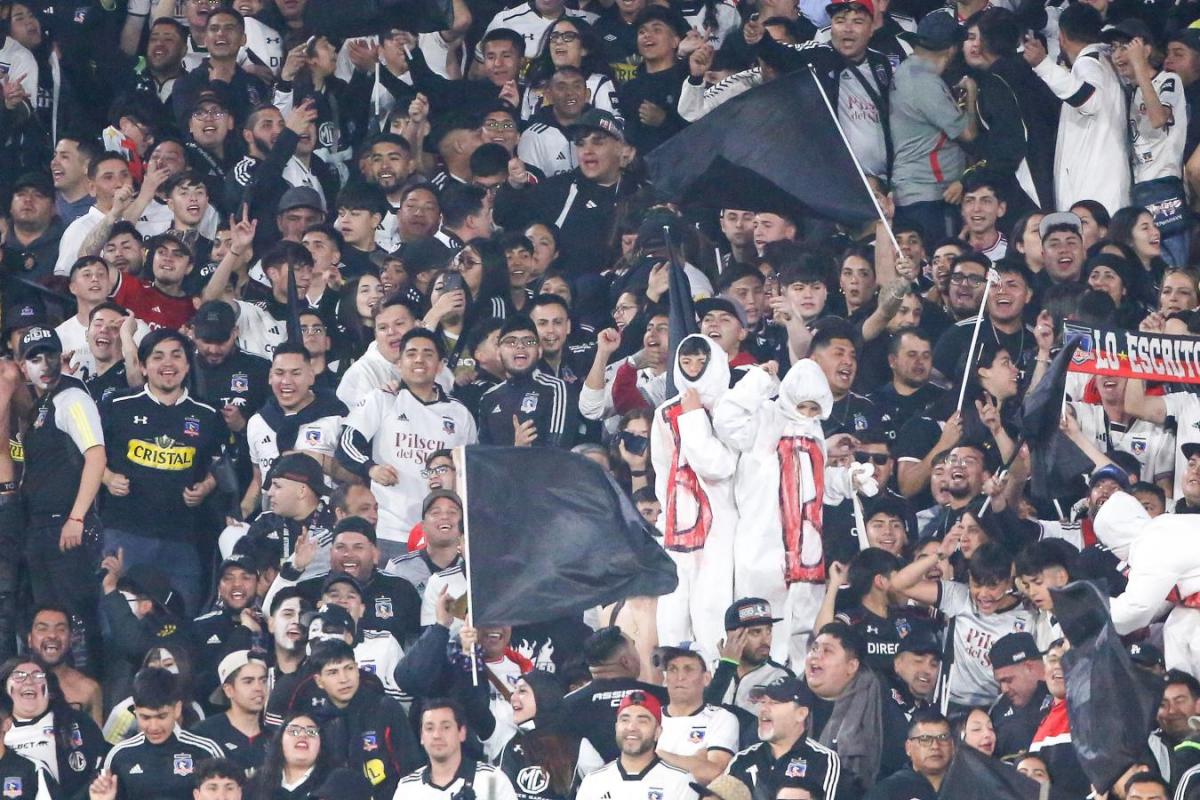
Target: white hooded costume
<point x="1163" y="558"/>
<point x="694" y="482"/>
<point x="780" y="486"/>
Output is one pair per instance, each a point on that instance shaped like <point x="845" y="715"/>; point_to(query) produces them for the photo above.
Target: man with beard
<point x="49" y="639"/>
<point x="161" y="302"/>
<point x="1004" y="324"/>
<point x="388" y="164"/>
<point x="1102" y="417"/>
<point x="295" y="418"/>
<point x="64" y="462"/>
<point x="745" y="655"/>
<point x="638" y="769"/>
<point x="530" y="408"/>
<point x="915" y="669"/>
<point x="910" y="359"/>
<point x="930" y="748"/>
<point x="967" y="468"/>
<point x="125" y="251"/>
<point x="242" y="678"/>
<point x="214" y="633"/>
<point x="166" y="47"/>
<point x="113" y="351"/>
<point x="1017" y="665"/>
<point x="1097" y="562"/>
<point x="968" y="274"/>
<point x="784" y="751"/>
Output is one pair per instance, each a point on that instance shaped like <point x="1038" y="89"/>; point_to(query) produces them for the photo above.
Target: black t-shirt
<point x="854" y="414"/>
<point x="111" y="383"/>
<point x="900" y="407"/>
<point x="591" y="710"/>
<point x="883" y="635"/>
<point x="241" y="381"/>
<point x="952" y="347"/>
<point x="248" y="753"/>
<point x="161" y="771"/>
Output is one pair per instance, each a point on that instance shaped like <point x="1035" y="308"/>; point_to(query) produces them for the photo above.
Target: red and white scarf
<point x="682" y="482"/>
<point x="801" y="521"/>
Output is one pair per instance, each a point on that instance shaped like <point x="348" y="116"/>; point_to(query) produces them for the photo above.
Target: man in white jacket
<point x="1092" y="127"/>
<point x="1163" y="558"/>
<point x="780" y="485"/>
<point x="694" y="481"/>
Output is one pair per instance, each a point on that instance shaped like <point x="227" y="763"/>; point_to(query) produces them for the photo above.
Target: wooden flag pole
<point x="460" y="485"/>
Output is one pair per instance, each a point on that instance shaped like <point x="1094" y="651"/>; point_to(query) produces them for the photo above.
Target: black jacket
<point x="759" y="769"/>
<point x="372" y="735"/>
<point x="538" y="397"/>
<point x="904" y="785"/>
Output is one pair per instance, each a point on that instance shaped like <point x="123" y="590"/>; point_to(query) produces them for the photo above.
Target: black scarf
<point x="287" y="426"/>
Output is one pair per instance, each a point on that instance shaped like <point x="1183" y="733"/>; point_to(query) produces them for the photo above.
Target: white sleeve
<point x="502" y="788"/>
<point x="348" y="390"/>
<point x="1183" y="406"/>
<point x="955" y="599"/>
<point x="75" y="414"/>
<point x="605" y="98"/>
<point x="738" y="413"/>
<point x="1162" y="461"/>
<point x="429" y="599"/>
<point x="530" y="151"/>
<point x="23" y="63"/>
<point x="1151" y="577"/>
<point x="69" y="244"/>
<point x="1078" y="87"/>
<point x="691" y="101"/>
<point x="1067" y="531"/>
<point x="43" y="787"/>
<point x="723" y="733"/>
<point x="366" y="417"/>
<point x="326" y="443"/>
<point x="711" y="458"/>
<point x="589" y="789"/>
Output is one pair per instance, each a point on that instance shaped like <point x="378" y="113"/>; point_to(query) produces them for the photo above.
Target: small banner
<point x="1133" y="354"/>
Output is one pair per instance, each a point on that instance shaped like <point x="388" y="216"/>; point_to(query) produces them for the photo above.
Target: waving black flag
<point x="1111" y="702"/>
<point x="1057" y="462"/>
<point x="681" y="313"/>
<point x="548" y="534"/>
<point x="974" y="776"/>
<point x="774" y="145"/>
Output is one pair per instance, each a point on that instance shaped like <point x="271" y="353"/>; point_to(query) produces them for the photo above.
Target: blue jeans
<point x="179" y="561"/>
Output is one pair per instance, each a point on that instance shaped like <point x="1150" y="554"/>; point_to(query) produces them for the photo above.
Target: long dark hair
<point x="494" y="281"/>
<point x="270" y="776"/>
<point x="353" y="336"/>
<point x="591" y="63"/>
<point x="56" y="701"/>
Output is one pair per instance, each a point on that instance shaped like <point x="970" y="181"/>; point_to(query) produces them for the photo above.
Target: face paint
<point x="43" y="369"/>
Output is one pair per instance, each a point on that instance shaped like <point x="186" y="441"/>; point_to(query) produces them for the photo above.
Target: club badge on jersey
<point x="183" y="764"/>
<point x="12" y="787"/>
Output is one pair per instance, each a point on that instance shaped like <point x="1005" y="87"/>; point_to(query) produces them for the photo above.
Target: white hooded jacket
<point x="1162" y="553"/>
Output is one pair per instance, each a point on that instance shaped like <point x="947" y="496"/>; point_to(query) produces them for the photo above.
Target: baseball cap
<point x="241" y="561"/>
<point x="343" y="784"/>
<point x="669" y="16"/>
<point x="35" y="180"/>
<point x="437" y="494"/>
<point x="24" y="315"/>
<point x="335" y="620"/>
<point x="145" y="579"/>
<point x="38" y="339"/>
<point x="597" y="119"/>
<point x="423" y="255"/>
<point x="1059" y="218"/>
<point x="1127" y="30"/>
<point x="212" y="95"/>
<point x="227" y="670"/>
<point x="748" y="612"/>
<point x="721" y="303"/>
<point x="300" y="197"/>
<point x="1114" y="473"/>
<point x="920" y="645"/>
<point x="1188" y="37"/>
<point x="785" y="690"/>
<point x="1190" y="449"/>
<point x="173" y="236"/>
<point x="341" y="577"/>
<point x="939" y="31"/>
<point x="723" y="787"/>
<point x="299" y="467"/>
<point x="1014" y="648"/>
<point x="645" y="700"/>
<point x="841" y="5"/>
<point x="214" y="321"/>
<point x="1146" y="655"/>
<point x="356" y="525"/>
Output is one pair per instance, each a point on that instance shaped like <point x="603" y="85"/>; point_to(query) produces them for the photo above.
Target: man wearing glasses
<point x="530" y="408"/>
<point x="930" y="748"/>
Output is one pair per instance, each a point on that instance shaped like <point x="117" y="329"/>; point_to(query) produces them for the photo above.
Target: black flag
<point x="293" y="313"/>
<point x="755" y="140"/>
<point x="548" y="534"/>
<point x="1111" y="702"/>
<point x="974" y="776"/>
<point x="1057" y="462"/>
<point x="682" y="316"/>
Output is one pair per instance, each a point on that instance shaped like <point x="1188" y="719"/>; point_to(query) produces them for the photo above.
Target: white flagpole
<point x="861" y="174"/>
<point x="962" y="390"/>
<point x="460" y="485"/>
<point x="863" y="541"/>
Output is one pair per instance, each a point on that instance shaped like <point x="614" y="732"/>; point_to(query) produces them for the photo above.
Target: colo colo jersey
<point x="159" y="770"/>
<point x="659" y="781"/>
<point x="709" y="728"/>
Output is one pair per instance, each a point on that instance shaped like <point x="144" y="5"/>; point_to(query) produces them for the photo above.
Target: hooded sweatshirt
<point x="541" y="749"/>
<point x="1163" y="557"/>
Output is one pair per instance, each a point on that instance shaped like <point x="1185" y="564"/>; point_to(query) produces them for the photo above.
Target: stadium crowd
<point x="266" y="265"/>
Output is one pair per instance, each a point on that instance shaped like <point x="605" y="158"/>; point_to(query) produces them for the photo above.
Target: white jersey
<point x="546" y="147"/>
<point x="1152" y="445"/>
<point x="319" y="436"/>
<point x="73" y="335"/>
<point x="1092" y="129"/>
<point x="454" y="581"/>
<point x="157" y="218"/>
<point x="73" y="238"/>
<point x="660" y="782"/>
<point x="379" y="653"/>
<point x="415" y="567"/>
<point x="258" y="332"/>
<point x="29" y="738"/>
<point x="17" y="62"/>
<point x="971" y="680"/>
<point x="1158" y="152"/>
<point x="997" y="249"/>
<point x="710" y="728"/>
<point x="525" y="20"/>
<point x="506" y="672"/>
<point x="1185" y="408"/>
<point x="403" y="431"/>
<point x="487" y="782"/>
<point x="263" y="46"/>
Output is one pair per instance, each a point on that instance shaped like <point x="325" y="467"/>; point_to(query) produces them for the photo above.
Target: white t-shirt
<point x="34" y="739"/>
<point x="1185" y="408"/>
<point x="1152" y="445"/>
<point x="971" y="680"/>
<point x="660" y="782"/>
<point x="73" y="335"/>
<point x="157" y="219"/>
<point x="73" y="238"/>
<point x="15" y="59"/>
<point x="710" y="728"/>
<point x="1158" y="152"/>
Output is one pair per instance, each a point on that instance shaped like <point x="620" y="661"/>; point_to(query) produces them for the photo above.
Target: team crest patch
<point x="368" y="668"/>
<point x="183" y="764"/>
<point x="696" y="735"/>
<point x="43" y="412"/>
<point x="191" y="426"/>
<point x="12" y="787"/>
<point x="529" y="403"/>
<point x="903" y="627"/>
<point x="1138" y="446"/>
<point x="654" y="793"/>
<point x="369" y="741"/>
<point x="239" y="382"/>
<point x="312" y="436"/>
<point x="383" y="607"/>
<point x="796" y="768"/>
<point x="448" y="425"/>
<point x="860" y="422"/>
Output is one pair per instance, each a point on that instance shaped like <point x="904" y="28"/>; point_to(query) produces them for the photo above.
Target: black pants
<point x="12" y="520"/>
<point x="69" y="579"/>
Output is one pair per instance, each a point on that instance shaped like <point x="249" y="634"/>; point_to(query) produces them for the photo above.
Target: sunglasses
<point x="878" y="459"/>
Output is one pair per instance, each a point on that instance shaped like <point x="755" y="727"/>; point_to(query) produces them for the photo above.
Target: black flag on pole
<point x="681" y="313"/>
<point x="1057" y="462"/>
<point x="776" y="142"/>
<point x="1111" y="702"/>
<point x="548" y="534"/>
<point x="974" y="776"/>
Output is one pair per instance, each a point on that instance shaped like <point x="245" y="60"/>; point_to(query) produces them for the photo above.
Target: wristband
<point x="75" y="519"/>
<point x="732" y="661"/>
